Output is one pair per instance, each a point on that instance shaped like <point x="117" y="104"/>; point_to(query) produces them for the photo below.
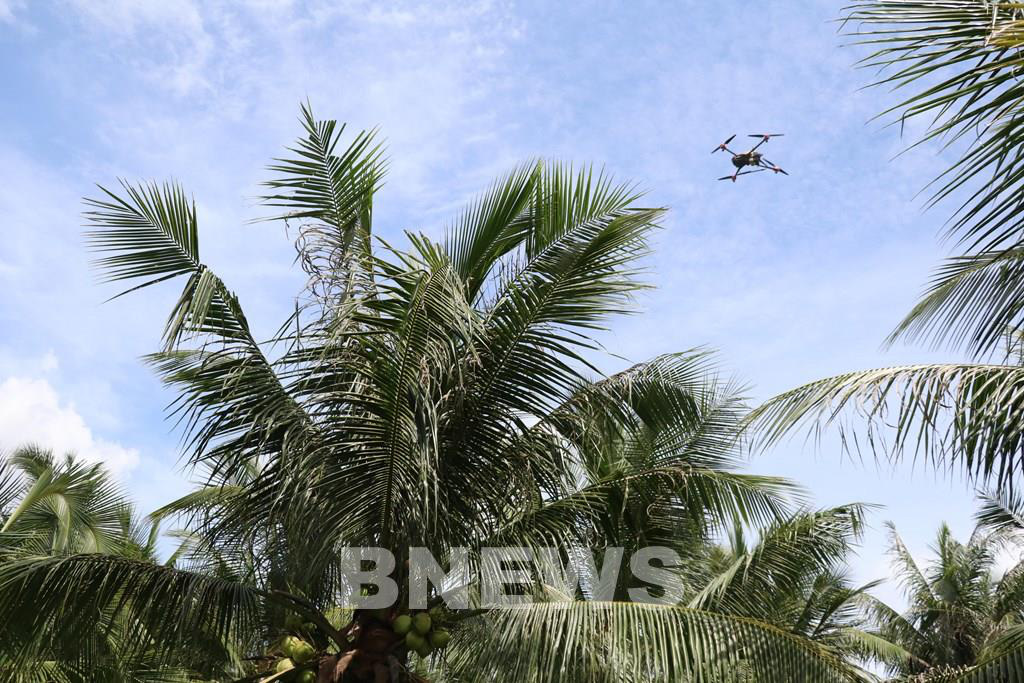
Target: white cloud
<point x="174" y="31"/>
<point x="7" y="9"/>
<point x="31" y="411"/>
<point x="793" y="280"/>
<point x="16" y="364"/>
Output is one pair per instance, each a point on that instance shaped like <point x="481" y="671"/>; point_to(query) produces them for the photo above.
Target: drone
<point x="752" y="158"/>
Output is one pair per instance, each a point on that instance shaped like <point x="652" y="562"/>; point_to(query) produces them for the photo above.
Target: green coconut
<point x="307" y="676"/>
<point x="439" y="637"/>
<point x="293" y="622"/>
<point x="421" y="623"/>
<point x="402" y="624"/>
<point x="414" y="641"/>
<point x="288" y="643"/>
<point x="437" y="613"/>
<point x="284" y="665"/>
<point x="303" y="652"/>
<point x="297" y="648"/>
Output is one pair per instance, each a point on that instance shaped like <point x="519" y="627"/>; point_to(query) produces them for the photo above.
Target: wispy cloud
<point x="791" y="277"/>
<point x="8" y="9"/>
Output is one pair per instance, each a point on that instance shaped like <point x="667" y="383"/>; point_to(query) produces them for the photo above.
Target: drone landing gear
<point x="772" y="167"/>
<point x="739" y="173"/>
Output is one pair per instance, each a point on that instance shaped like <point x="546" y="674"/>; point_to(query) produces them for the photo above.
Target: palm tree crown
<point x="961" y="608"/>
<point x="442" y="397"/>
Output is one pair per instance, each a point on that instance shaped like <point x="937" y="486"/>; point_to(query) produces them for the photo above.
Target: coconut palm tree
<point x="57" y="508"/>
<point x="795" y="576"/>
<point x="441" y="396"/>
<point x="961" y="608"/>
<point x="64" y="506"/>
<point x="958" y="61"/>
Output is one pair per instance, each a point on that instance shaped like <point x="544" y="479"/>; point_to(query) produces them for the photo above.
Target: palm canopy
<point x="440" y="396"/>
<point x="63" y="505"/>
<point x="957" y="63"/>
<point x="963" y="614"/>
<point x="793" y="575"/>
<point x="55" y="507"/>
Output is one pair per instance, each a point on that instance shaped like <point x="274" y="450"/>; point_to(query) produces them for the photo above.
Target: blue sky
<point x="790" y="278"/>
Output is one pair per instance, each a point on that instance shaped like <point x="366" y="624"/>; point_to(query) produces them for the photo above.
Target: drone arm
<point x="771" y="166"/>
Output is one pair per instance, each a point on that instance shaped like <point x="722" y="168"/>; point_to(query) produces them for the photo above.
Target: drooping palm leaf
<point x="1001" y="512"/>
<point x="954" y="415"/>
<point x="228" y="385"/>
<point x="96" y="611"/>
<point x="959" y="60"/>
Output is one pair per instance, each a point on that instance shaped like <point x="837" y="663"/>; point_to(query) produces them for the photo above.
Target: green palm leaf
<point x="945" y="415"/>
<point x="959" y="60"/>
<point x="329" y="192"/>
<point x="56" y="603"/>
<point x="602" y="641"/>
<point x="1001" y="512"/>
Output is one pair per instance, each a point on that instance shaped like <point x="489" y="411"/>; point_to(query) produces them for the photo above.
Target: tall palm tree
<point x="960" y="609"/>
<point x="441" y="396"/>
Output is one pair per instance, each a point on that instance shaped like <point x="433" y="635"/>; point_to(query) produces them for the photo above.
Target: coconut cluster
<point x="295" y="654"/>
<point x="424" y="632"/>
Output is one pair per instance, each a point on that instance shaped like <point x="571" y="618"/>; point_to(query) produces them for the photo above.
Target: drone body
<point x="752" y="158"/>
<point x="746" y="159"/>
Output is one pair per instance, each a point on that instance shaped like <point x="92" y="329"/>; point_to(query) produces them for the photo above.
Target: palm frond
<point x="1001" y="512"/>
<point x="974" y="298"/>
<point x="873" y="646"/>
<point x="577" y="269"/>
<point x="787" y="554"/>
<point x="911" y="578"/>
<point x="55" y="602"/>
<point x="228" y="384"/>
<point x="152" y="231"/>
<point x="960" y="61"/>
<point x="1004" y="661"/>
<point x="329" y="192"/>
<point x="602" y="641"/>
<point x="952" y="415"/>
<point x="492" y="226"/>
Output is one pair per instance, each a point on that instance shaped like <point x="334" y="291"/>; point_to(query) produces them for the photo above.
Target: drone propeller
<point x="722" y="146"/>
<point x="765" y="137"/>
